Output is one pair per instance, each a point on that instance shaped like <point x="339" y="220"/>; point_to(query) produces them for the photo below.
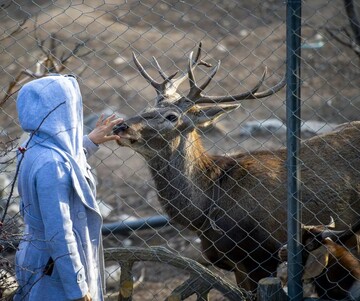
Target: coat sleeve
<point x="55" y="193"/>
<point x="90" y="147"/>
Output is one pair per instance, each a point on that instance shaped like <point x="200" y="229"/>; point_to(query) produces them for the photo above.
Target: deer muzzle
<point x="122" y="127"/>
<point x="128" y="136"/>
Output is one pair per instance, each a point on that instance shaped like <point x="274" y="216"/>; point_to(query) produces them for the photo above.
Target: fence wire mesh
<point x="162" y="188"/>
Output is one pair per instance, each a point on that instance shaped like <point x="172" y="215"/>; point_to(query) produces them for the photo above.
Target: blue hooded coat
<point x="60" y="256"/>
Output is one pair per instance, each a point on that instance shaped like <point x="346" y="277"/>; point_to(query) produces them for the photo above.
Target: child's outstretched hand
<point x="102" y="131"/>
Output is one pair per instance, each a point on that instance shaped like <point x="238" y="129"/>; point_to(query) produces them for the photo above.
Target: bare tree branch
<point x="353" y="19"/>
<point x="352" y="41"/>
<point x="48" y="64"/>
<point x="18" y="29"/>
<point x="336" y="37"/>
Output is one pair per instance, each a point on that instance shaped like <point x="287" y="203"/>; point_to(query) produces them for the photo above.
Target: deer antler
<point x="170" y="84"/>
<point x="196" y="96"/>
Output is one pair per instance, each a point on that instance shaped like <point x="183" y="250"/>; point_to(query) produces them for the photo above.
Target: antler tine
<point x="195" y="90"/>
<point x="270" y="91"/>
<point x="192" y="63"/>
<point x="211" y="76"/>
<point x="166" y="78"/>
<point x="162" y="73"/>
<point x="150" y="80"/>
<point x="198" y="53"/>
<point x="252" y="94"/>
<point x="190" y="74"/>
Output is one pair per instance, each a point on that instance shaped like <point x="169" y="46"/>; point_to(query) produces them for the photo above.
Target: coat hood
<point x="51" y="108"/>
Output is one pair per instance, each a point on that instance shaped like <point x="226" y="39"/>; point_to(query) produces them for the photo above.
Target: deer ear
<point x="204" y="115"/>
<point x="316" y="262"/>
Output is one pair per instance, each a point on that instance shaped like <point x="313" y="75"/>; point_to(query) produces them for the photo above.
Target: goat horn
<point x="331" y="224"/>
<point x="333" y="234"/>
<point x="345" y="235"/>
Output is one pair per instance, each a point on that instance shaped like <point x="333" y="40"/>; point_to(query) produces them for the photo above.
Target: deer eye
<point x="172" y="117"/>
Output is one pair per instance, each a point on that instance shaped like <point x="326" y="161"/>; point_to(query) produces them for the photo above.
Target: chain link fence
<point x="161" y="191"/>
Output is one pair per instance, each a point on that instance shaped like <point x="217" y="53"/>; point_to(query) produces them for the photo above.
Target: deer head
<point x="174" y="114"/>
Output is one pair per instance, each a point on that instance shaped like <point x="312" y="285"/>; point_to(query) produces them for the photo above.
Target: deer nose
<point x="120" y="128"/>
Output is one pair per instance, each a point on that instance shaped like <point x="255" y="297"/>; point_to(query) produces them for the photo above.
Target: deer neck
<point x="182" y="173"/>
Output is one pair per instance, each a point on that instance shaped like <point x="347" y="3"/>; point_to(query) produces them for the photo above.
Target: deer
<point x="236" y="204"/>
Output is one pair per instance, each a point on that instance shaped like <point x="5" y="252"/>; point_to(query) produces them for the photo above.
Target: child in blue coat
<point x="60" y="255"/>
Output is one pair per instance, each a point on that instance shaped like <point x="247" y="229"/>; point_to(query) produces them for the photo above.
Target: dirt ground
<point x="246" y="37"/>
